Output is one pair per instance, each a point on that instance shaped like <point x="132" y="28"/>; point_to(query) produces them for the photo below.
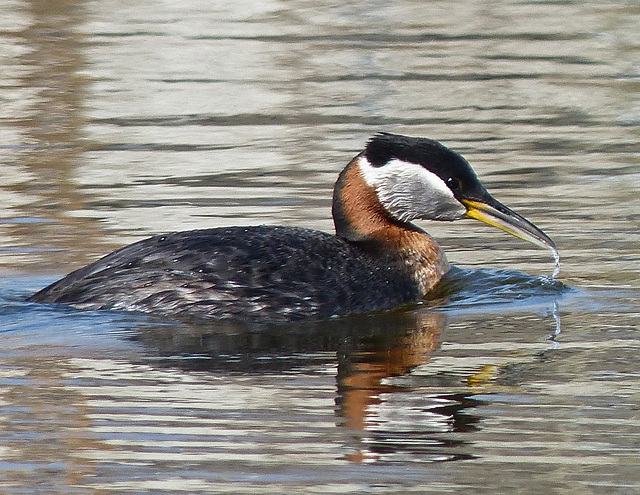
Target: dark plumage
<point x="248" y="273"/>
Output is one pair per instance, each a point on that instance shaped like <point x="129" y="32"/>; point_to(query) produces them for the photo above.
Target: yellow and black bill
<point x="490" y="211"/>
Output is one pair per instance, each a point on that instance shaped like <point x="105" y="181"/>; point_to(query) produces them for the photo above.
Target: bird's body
<point x="248" y="273"/>
<point x="377" y="260"/>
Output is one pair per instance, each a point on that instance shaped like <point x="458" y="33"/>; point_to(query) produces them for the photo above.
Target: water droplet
<point x="556" y="257"/>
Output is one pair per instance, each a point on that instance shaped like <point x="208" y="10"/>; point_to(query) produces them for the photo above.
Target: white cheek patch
<point x="409" y="191"/>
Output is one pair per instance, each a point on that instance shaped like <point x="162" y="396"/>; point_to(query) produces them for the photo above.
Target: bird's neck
<point x="360" y="218"/>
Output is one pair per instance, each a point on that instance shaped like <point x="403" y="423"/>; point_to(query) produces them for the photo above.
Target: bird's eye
<point x="453" y="183"/>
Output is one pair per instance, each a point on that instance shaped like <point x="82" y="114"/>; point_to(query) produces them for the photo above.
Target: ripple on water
<point x="469" y="288"/>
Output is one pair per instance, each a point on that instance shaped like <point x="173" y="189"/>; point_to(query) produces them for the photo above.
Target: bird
<point x="378" y="258"/>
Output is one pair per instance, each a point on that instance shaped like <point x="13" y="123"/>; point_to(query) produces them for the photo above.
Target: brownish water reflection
<point x="51" y="126"/>
<point x="361" y="376"/>
<point x="121" y="120"/>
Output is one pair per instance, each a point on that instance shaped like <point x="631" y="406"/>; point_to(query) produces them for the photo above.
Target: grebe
<point x="376" y="260"/>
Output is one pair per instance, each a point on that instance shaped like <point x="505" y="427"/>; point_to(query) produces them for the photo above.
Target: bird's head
<point x="418" y="178"/>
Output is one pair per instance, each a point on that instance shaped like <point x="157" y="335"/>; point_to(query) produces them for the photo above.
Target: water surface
<point x="122" y="121"/>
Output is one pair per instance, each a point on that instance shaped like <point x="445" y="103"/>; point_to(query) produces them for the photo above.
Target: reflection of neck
<point x="361" y="384"/>
<point x="359" y="217"/>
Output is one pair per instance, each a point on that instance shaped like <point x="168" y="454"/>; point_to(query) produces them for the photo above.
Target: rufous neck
<point x="358" y="214"/>
<point x="360" y="218"/>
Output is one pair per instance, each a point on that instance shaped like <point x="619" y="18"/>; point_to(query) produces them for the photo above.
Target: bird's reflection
<point x="371" y="352"/>
<point x="393" y="420"/>
<point x="363" y="372"/>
